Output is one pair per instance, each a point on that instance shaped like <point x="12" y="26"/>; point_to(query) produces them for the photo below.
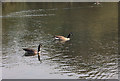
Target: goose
<point x="62" y="38"/>
<point x="32" y="52"/>
<point x="97" y="3"/>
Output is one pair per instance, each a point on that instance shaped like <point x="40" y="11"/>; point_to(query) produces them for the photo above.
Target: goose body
<point x="62" y="38"/>
<point x="32" y="52"/>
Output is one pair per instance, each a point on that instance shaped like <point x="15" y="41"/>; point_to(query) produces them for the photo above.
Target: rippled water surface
<point x="90" y="54"/>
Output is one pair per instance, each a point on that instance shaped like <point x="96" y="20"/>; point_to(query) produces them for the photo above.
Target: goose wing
<point x="60" y="37"/>
<point x="28" y="49"/>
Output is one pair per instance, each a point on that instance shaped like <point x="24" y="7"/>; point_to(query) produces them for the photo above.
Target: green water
<point x="90" y="54"/>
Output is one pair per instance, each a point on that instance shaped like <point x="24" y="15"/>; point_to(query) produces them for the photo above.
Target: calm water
<point x="90" y="54"/>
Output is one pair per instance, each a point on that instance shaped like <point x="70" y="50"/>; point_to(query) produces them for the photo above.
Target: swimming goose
<point x="31" y="52"/>
<point x="62" y="38"/>
<point x="97" y="3"/>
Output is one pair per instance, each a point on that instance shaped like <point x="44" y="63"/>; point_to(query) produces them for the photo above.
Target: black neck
<point x="38" y="57"/>
<point x="39" y="48"/>
<point x="68" y="36"/>
<point x="38" y="52"/>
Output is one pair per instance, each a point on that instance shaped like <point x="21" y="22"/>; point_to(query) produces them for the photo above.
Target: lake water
<point x="92" y="52"/>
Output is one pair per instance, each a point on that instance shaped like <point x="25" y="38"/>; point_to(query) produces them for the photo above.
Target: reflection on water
<point x="90" y="54"/>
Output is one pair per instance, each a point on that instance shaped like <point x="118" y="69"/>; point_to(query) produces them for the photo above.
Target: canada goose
<point x="32" y="52"/>
<point x="62" y="38"/>
<point x="97" y="3"/>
